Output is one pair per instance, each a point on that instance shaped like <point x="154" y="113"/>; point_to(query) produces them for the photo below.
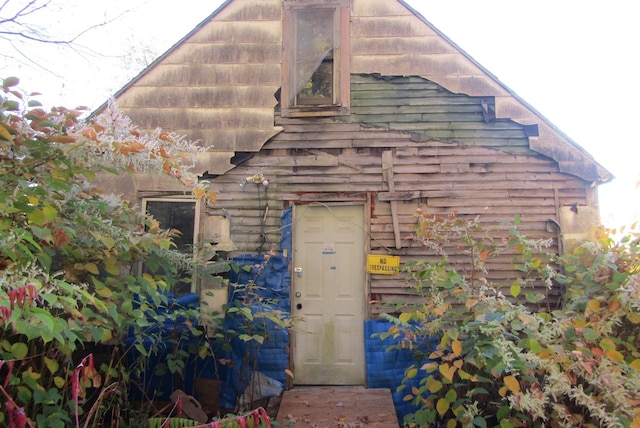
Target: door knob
<point x="299" y="306"/>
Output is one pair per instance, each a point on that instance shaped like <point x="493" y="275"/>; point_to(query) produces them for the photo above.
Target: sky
<point x="574" y="61"/>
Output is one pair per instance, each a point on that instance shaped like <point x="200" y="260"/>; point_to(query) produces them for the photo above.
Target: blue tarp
<point x="271" y="283"/>
<point x="171" y="335"/>
<point x="385" y="367"/>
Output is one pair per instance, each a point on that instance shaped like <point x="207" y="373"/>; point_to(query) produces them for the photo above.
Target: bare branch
<point x="31" y="32"/>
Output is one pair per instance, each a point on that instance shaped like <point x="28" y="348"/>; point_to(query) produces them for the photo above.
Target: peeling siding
<point x="330" y="160"/>
<point x="233" y="59"/>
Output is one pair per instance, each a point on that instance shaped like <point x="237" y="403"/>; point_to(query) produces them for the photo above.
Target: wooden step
<point x="324" y="407"/>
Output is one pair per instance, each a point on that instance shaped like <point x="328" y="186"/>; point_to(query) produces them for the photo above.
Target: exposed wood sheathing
<point x="390" y="38"/>
<point x="327" y="160"/>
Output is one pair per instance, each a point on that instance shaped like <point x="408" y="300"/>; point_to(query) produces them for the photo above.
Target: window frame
<point x="341" y="60"/>
<point x="196" y="225"/>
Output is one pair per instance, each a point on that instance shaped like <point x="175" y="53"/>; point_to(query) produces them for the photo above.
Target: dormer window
<point x="316" y="58"/>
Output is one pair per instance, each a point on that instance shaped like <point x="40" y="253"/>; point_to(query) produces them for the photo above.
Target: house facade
<point x="354" y="113"/>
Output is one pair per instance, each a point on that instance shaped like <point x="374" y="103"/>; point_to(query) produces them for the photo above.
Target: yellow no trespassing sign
<point x="383" y="265"/>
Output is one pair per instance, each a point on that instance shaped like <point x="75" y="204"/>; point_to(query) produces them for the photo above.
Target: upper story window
<point x="316" y="58"/>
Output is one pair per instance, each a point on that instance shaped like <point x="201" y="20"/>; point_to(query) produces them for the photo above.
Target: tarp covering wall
<point x="270" y="281"/>
<point x="150" y="354"/>
<point x="385" y="366"/>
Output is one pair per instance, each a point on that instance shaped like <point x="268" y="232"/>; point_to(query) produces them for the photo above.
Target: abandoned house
<point x="350" y="115"/>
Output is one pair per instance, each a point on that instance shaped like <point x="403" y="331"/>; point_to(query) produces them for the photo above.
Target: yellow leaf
<point x="51" y="364"/>
<point x="634" y="318"/>
<point x="199" y="192"/>
<point x="289" y="373"/>
<point x="456" y="347"/>
<point x="407" y="397"/>
<point x="615" y="356"/>
<point x="515" y="290"/>
<point x="433" y="385"/>
<point x="580" y="323"/>
<point x="412" y="373"/>
<point x="442" y="406"/>
<point x="594" y="305"/>
<point x="104" y="292"/>
<point x="405" y="317"/>
<point x="635" y="364"/>
<point x="512" y="383"/>
<point x="458" y="410"/>
<point x="108" y="241"/>
<point x="5" y="134"/>
<point x="107" y="335"/>
<point x="503" y="391"/>
<point x="212" y="196"/>
<point x="111" y="265"/>
<point x="430" y="367"/>
<point x="91" y="268"/>
<point x="59" y="381"/>
<point x="464" y="375"/>
<point x="452" y="423"/>
<point x="447" y="371"/>
<point x="608" y="344"/>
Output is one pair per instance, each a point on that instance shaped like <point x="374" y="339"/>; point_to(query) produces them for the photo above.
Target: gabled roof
<point x="551" y="141"/>
<point x="218" y="83"/>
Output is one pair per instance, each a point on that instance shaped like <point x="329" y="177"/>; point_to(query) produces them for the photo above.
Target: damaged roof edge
<point x="604" y="176"/>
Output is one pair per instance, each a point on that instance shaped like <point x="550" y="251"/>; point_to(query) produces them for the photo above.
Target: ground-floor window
<point x="181" y="215"/>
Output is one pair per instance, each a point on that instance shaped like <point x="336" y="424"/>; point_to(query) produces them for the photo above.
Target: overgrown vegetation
<point x="504" y="358"/>
<point x="73" y="303"/>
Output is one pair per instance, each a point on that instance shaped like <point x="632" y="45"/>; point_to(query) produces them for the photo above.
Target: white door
<point x="329" y="293"/>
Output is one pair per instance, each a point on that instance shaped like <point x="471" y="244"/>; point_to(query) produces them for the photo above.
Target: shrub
<point x="69" y="283"/>
<point x="503" y="361"/>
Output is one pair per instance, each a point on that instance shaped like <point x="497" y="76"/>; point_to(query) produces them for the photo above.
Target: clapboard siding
<point x="420" y="106"/>
<point x="340" y="160"/>
<point x="459" y="140"/>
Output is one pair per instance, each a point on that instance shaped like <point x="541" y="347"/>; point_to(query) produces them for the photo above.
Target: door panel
<point x="329" y="293"/>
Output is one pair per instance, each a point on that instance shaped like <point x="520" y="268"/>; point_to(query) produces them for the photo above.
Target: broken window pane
<point x="314" y="53"/>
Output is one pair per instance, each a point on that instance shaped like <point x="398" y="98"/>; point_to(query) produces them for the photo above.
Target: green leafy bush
<point x="69" y="257"/>
<point x="507" y="360"/>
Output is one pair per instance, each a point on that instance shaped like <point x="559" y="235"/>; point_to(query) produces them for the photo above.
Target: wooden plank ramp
<point x="337" y="407"/>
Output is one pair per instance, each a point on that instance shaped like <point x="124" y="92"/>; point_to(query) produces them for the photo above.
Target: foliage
<point x="69" y="257"/>
<point x="257" y="418"/>
<point x="253" y="322"/>
<point x="502" y="363"/>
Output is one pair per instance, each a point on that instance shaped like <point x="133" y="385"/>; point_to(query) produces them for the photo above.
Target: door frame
<point x="365" y="203"/>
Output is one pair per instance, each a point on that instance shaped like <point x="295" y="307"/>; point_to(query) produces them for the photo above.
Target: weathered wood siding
<point x="450" y="134"/>
<point x="479" y="171"/>
<point x="218" y="85"/>
<point x="390" y="38"/>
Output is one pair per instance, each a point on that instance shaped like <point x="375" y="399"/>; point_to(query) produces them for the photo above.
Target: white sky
<point x="575" y="61"/>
